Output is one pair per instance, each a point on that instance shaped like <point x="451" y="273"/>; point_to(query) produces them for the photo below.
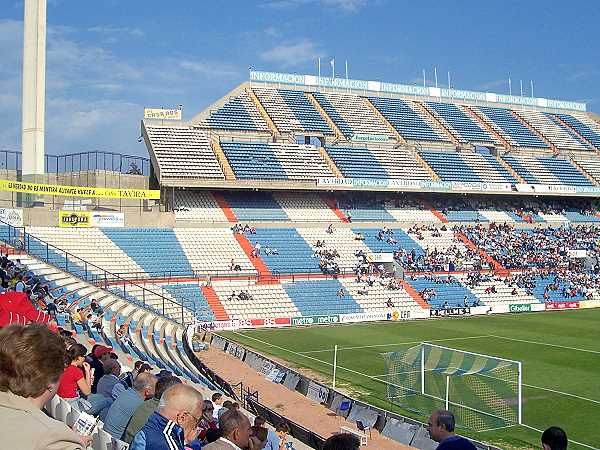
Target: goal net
<point x="483" y="392"/>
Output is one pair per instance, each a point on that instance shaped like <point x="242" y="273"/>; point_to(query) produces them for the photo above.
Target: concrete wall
<point x="46" y="217"/>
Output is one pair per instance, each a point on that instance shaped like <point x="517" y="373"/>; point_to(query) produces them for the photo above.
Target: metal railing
<point x="18" y="238"/>
<point x="82" y="162"/>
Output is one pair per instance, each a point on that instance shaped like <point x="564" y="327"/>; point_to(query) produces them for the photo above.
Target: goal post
<point x="483" y="391"/>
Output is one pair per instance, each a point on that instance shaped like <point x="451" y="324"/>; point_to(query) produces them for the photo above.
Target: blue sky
<point x="106" y="60"/>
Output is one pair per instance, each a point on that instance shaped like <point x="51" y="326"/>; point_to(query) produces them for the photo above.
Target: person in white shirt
<point x="217" y="400"/>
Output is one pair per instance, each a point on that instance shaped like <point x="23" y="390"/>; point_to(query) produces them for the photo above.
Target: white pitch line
<point x="570" y="440"/>
<point x="397" y="343"/>
<point x="546" y="344"/>
<point x="375" y="378"/>
<point x="563" y="393"/>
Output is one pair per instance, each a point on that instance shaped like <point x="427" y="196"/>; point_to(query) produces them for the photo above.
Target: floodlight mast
<point x="34" y="89"/>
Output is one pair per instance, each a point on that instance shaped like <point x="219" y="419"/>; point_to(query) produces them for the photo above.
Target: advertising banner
<point x="162" y="113"/>
<point x="557" y="306"/>
<point x="408" y="89"/>
<point x="107" y="219"/>
<point x="317" y="393"/>
<point x="315" y="320"/>
<point x="589" y="304"/>
<point x="77" y="191"/>
<point x="12" y="217"/>
<point x="363" y="317"/>
<point x="74" y="219"/>
<point x="262" y="323"/>
<point x="458" y="311"/>
<point x="369" y="137"/>
<point x="399" y="315"/>
<point x="519" y="308"/>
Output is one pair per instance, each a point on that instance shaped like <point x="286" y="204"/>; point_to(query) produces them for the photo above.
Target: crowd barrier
<point x="392" y="425"/>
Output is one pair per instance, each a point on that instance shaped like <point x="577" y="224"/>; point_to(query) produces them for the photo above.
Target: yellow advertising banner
<point x="589" y="304"/>
<point x="78" y="191"/>
<point x="74" y="219"/>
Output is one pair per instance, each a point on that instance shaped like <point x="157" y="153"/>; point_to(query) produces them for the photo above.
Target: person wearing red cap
<point x="98" y="355"/>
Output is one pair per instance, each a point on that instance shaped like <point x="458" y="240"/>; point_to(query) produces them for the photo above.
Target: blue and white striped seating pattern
<point x="466" y="129"/>
<point x="291" y="111"/>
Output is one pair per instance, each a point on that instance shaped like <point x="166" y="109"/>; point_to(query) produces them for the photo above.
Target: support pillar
<point x="34" y="90"/>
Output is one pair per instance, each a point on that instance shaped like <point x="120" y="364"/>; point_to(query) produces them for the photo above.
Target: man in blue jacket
<point x="175" y="422"/>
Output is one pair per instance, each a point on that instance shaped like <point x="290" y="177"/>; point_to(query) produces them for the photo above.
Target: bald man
<point x="126" y="403"/>
<point x="175" y="422"/>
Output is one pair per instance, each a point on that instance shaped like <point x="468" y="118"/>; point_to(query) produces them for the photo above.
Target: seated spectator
<point x="341" y="293"/>
<point x="275" y="440"/>
<point x="112" y="370"/>
<point x="554" y="438"/>
<point x="77" y="377"/>
<point x="389" y="303"/>
<point x="207" y="421"/>
<point x="235" y="432"/>
<point x="128" y="378"/>
<point x="227" y="404"/>
<point x="342" y="441"/>
<point x="122" y="409"/>
<point x="98" y="356"/>
<point x="96" y="308"/>
<point x="52" y="309"/>
<point x="175" y="422"/>
<point x="258" y="437"/>
<point x="32" y="360"/>
<point x="282" y="431"/>
<point x="147" y="408"/>
<point x="441" y="429"/>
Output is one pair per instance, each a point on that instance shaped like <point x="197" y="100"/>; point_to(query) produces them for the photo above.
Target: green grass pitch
<point x="560" y="352"/>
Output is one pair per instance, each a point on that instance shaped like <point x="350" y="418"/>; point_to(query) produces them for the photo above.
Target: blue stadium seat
<point x="357" y="162"/>
<point x="581" y="128"/>
<point x="253" y="160"/>
<point x="512" y="127"/>
<point x="376" y="245"/>
<point x="319" y="297"/>
<point x="156" y="250"/>
<point x="193" y="293"/>
<point x="406" y="121"/>
<point x="255" y="206"/>
<point x="546" y="170"/>
<point x="238" y="113"/>
<point x="453" y="293"/>
<point x="467" y="129"/>
<point x="295" y="254"/>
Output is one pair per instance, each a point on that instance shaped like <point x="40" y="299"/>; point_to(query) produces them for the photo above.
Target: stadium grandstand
<point x="297" y="200"/>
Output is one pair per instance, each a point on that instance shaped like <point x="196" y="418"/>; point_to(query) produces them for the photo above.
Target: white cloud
<point x="272" y="32"/>
<point x="345" y="5"/>
<point x="134" y="32"/>
<point x="210" y="69"/>
<point x="349" y="6"/>
<point x="94" y="98"/>
<point x="491" y="85"/>
<point x="293" y="53"/>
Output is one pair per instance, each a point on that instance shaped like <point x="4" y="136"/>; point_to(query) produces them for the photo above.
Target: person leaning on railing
<point x="32" y="360"/>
